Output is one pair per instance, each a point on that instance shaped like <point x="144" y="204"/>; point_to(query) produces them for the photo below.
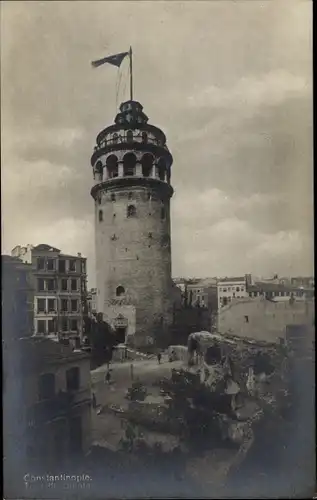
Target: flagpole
<point x="131" y="81"/>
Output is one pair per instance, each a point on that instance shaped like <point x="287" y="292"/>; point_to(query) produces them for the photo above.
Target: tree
<point x="102" y="340"/>
<point x="137" y="392"/>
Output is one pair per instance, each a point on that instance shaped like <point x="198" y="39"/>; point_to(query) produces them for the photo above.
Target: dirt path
<point x="106" y="427"/>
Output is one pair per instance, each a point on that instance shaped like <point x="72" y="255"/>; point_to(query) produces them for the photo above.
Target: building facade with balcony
<point x="60" y="299"/>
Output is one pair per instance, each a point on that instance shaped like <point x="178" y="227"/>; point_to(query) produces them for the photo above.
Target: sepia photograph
<point x="157" y="224"/>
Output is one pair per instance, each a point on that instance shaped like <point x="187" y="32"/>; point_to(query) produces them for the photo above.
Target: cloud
<point x="55" y="137"/>
<point x="233" y="247"/>
<point x="70" y="235"/>
<point x="214" y="205"/>
<point x="229" y="84"/>
<point x="37" y="175"/>
<point x="250" y="92"/>
<point x="218" y="234"/>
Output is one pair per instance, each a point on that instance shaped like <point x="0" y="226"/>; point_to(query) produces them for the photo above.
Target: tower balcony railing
<point x="123" y="140"/>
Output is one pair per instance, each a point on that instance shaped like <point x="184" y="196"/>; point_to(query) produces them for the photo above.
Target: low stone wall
<point x="122" y="353"/>
<point x="178" y="352"/>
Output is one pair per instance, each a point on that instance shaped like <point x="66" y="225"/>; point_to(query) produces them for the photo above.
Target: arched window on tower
<point x="144" y="137"/>
<point x="131" y="211"/>
<point x="129" y="136"/>
<point x="112" y="166"/>
<point x="120" y="291"/>
<point x="100" y="216"/>
<point x="129" y="162"/>
<point x="161" y="169"/>
<point x="163" y="214"/>
<point x="98" y="168"/>
<point x="147" y="164"/>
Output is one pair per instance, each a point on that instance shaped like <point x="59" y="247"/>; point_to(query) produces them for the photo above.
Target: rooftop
<point x="78" y="256"/>
<point x="43" y="247"/>
<point x="204" y="282"/>
<point x="230" y="280"/>
<point x="47" y="350"/>
<point x="265" y="286"/>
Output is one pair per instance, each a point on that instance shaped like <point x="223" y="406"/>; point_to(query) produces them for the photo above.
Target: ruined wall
<point x="262" y="319"/>
<point x="135" y="253"/>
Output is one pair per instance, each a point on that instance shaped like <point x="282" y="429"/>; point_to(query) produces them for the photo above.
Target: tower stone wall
<point x="132" y="192"/>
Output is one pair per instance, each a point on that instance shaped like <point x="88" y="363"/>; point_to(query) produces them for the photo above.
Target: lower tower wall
<point x="133" y="256"/>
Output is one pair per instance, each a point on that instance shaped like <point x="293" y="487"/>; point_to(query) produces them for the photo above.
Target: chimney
<point x="248" y="280"/>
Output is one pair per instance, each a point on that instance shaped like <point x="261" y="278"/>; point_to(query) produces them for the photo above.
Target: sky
<point x="229" y="82"/>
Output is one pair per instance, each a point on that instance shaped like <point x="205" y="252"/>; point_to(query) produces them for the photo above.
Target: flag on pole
<point x="115" y="60"/>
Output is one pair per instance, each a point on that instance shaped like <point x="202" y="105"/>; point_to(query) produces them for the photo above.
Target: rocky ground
<point x="270" y="456"/>
<point x="107" y="426"/>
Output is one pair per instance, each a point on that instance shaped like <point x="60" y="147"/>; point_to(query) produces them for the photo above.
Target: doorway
<point x="120" y="334"/>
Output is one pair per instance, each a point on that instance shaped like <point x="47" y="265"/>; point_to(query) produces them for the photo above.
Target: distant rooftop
<point x="260" y="285"/>
<point x="229" y="280"/>
<point x="42" y="247"/>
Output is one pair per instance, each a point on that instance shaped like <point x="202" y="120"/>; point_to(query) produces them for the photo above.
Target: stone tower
<point x="132" y="171"/>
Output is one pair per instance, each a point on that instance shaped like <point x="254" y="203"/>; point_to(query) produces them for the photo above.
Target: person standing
<point x="94" y="401"/>
<point x="108" y="377"/>
<point x="131" y="371"/>
<point x="159" y="357"/>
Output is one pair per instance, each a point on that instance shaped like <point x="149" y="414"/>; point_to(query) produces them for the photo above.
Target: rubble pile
<point x="232" y="385"/>
<point x="246" y="379"/>
<point x="214" y="403"/>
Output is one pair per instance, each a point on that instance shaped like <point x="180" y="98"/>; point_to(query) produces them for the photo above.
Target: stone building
<point x="279" y="291"/>
<point x="92" y="301"/>
<point x="56" y="398"/>
<point x="132" y="170"/>
<point x="17" y="298"/>
<point x="232" y="288"/>
<point x="181" y="284"/>
<point x="203" y="293"/>
<point x="45" y="384"/>
<point x="17" y="322"/>
<point x="60" y="290"/>
<point x="267" y="320"/>
<point x="303" y="281"/>
<point x="47" y="403"/>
